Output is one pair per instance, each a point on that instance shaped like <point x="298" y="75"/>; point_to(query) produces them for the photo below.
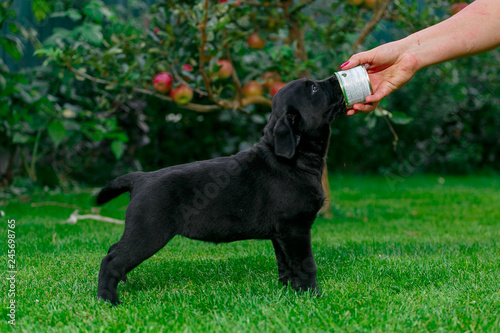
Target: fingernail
<point x="344" y="64"/>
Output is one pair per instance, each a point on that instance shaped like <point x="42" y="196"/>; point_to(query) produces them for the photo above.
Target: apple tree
<point x="232" y="55"/>
<point x="221" y="63"/>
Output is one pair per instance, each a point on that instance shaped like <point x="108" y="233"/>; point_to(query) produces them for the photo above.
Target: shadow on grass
<point x="178" y="274"/>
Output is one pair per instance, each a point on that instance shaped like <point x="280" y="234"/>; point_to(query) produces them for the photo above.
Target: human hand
<point x="389" y="67"/>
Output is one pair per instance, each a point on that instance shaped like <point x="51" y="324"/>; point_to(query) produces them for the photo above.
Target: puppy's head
<point x="303" y="110"/>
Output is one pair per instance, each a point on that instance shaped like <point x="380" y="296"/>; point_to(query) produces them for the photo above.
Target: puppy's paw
<point x="311" y="290"/>
<point x="316" y="293"/>
<point x="108" y="296"/>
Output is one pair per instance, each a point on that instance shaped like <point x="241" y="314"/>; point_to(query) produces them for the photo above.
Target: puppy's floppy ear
<point x="285" y="140"/>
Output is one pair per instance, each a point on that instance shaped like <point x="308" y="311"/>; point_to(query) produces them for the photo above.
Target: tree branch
<point x="262" y="4"/>
<point x="182" y="81"/>
<point x="236" y="80"/>
<point x="190" y="106"/>
<point x="396" y="138"/>
<point x="296" y="33"/>
<point x="377" y="16"/>
<point x="203" y="40"/>
<point x="223" y="104"/>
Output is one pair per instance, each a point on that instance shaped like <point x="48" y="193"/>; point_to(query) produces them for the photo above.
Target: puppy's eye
<point x="314" y="88"/>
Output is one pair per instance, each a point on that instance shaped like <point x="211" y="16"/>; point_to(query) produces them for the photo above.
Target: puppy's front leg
<point x="284" y="271"/>
<point x="301" y="267"/>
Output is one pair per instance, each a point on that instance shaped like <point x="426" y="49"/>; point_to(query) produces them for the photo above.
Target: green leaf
<point x="96" y="10"/>
<point x="118" y="136"/>
<point x="371" y="121"/>
<point x="91" y="11"/>
<point x="13" y="28"/>
<point x="89" y="32"/>
<point x="117" y="147"/>
<point x="94" y="133"/>
<point x="5" y="15"/>
<point x="400" y="118"/>
<point x="4" y="108"/>
<point x="12" y="46"/>
<point x="73" y="14"/>
<point x="379" y="112"/>
<point x="58" y="35"/>
<point x="3" y="82"/>
<point x="57" y="132"/>
<point x="111" y="53"/>
<point x="40" y="8"/>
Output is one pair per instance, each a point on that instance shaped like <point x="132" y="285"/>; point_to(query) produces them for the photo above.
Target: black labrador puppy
<point x="271" y="191"/>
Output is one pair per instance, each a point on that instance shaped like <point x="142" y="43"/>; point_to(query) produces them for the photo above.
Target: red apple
<point x="163" y="82"/>
<point x="275" y="87"/>
<point x="255" y="42"/>
<point x="270" y="78"/>
<point x="182" y="94"/>
<point x="252" y="88"/>
<point x="156" y="30"/>
<point x="187" y="68"/>
<point x="456" y="7"/>
<point x="225" y="70"/>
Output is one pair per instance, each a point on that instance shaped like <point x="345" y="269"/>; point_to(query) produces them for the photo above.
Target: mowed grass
<point x="423" y="256"/>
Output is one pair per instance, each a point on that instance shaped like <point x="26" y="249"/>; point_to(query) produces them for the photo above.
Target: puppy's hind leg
<point x="124" y="278"/>
<point x="133" y="248"/>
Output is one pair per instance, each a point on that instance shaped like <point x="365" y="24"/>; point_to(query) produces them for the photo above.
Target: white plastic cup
<point x="355" y="85"/>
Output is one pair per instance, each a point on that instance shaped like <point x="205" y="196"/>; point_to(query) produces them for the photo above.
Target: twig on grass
<point x="53" y="203"/>
<point x="74" y="217"/>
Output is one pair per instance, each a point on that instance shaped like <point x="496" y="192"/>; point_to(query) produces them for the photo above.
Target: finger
<point x="366" y="107"/>
<point x="373" y="98"/>
<point x="351" y="63"/>
<point x="350" y="112"/>
<point x="378" y="95"/>
<point x="356" y="60"/>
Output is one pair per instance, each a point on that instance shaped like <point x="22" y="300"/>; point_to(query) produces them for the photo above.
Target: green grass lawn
<point x="421" y="257"/>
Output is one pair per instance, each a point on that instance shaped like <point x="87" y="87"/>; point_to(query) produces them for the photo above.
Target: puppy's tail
<point x="116" y="187"/>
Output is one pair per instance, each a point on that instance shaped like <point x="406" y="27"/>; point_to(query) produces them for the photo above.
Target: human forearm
<point x="473" y="30"/>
